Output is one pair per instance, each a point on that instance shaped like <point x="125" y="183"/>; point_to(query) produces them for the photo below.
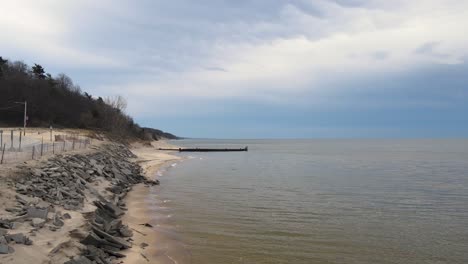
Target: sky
<point x="259" y="68"/>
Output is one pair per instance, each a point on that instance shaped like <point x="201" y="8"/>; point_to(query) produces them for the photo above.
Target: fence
<point x="17" y="148"/>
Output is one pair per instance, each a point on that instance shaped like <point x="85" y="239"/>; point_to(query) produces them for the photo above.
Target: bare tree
<point x="117" y="102"/>
<point x="64" y="82"/>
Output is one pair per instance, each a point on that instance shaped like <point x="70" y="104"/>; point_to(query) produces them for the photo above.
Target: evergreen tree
<point x="2" y="63"/>
<point x="38" y="71"/>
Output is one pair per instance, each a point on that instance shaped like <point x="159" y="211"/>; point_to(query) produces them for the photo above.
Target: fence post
<point x="73" y="145"/>
<point x="3" y="153"/>
<point x="11" y="140"/>
<point x="42" y="146"/>
<point x="1" y="138"/>
<point x="19" y="148"/>
<point x="33" y="150"/>
<point x="53" y="147"/>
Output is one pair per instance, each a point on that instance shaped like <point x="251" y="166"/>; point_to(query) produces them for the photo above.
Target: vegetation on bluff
<point x="57" y="101"/>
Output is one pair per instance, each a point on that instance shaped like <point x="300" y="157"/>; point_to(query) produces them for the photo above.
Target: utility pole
<point x="25" y="118"/>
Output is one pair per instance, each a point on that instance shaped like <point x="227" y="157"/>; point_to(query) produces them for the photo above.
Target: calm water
<point x="320" y="201"/>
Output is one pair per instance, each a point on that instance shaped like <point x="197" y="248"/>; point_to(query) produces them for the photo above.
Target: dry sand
<point x="45" y="240"/>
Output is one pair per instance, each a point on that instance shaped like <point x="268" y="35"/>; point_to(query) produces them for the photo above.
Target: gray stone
<point x="6" y="224"/>
<point x="66" y="216"/>
<point x="18" y="238"/>
<point x="57" y="221"/>
<point x="5" y="249"/>
<point x="114" y="240"/>
<point x="125" y="231"/>
<point x="80" y="260"/>
<point x="38" y="222"/>
<point x="37" y="212"/>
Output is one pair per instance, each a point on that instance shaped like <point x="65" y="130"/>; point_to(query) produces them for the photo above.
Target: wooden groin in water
<point x="206" y="149"/>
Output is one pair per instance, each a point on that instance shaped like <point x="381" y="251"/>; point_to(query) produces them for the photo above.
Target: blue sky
<point x="264" y="68"/>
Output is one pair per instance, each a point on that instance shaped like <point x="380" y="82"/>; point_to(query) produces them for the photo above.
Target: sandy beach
<point x="149" y="245"/>
<point x="60" y="245"/>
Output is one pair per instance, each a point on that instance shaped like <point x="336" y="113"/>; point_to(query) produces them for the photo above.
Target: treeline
<point x="57" y="101"/>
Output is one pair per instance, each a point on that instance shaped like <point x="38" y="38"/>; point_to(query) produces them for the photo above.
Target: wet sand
<point x="156" y="243"/>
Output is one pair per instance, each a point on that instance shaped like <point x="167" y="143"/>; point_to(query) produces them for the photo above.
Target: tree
<point x="64" y="82"/>
<point x="2" y="62"/>
<point x="88" y="96"/>
<point x="117" y="102"/>
<point x="38" y="71"/>
<point x="50" y="79"/>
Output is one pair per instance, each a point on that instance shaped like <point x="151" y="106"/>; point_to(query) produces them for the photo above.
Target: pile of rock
<point x="64" y="181"/>
<point x="107" y="236"/>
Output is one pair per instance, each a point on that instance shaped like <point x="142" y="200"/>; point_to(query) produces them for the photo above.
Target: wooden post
<point x="73" y="145"/>
<point x="19" y="148"/>
<point x="53" y="147"/>
<point x="42" y="146"/>
<point x="1" y="138"/>
<point x="33" y="150"/>
<point x="3" y="153"/>
<point x="25" y="116"/>
<point x="63" y="148"/>
<point x="11" y="140"/>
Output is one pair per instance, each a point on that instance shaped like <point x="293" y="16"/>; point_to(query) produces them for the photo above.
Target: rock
<point x="143" y="245"/>
<point x="14" y="209"/>
<point x="57" y="221"/>
<point x="3" y="241"/>
<point x="3" y="232"/>
<point x="114" y="253"/>
<point x="125" y="231"/>
<point x="6" y="224"/>
<point x="38" y="222"/>
<point x="66" y="216"/>
<point x="5" y="249"/>
<point x="33" y="212"/>
<point x="18" y="238"/>
<point x="114" y="240"/>
<point x="94" y="240"/>
<point x="79" y="260"/>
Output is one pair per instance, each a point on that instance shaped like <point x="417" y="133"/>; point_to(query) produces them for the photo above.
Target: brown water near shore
<point x="320" y="201"/>
<point x="164" y="245"/>
<point x="156" y="242"/>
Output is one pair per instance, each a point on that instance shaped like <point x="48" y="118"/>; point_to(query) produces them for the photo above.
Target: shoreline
<point x="147" y="241"/>
<point x="51" y="209"/>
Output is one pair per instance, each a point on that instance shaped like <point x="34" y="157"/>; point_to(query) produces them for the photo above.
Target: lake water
<point x="318" y="201"/>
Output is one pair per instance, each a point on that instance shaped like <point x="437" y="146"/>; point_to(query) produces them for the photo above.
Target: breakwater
<point x="88" y="187"/>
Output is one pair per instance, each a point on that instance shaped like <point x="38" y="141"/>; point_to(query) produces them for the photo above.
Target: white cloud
<point x="273" y="57"/>
<point x="340" y="43"/>
<point x="41" y="29"/>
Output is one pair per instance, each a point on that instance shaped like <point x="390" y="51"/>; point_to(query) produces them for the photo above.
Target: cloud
<point x="183" y="55"/>
<point x="42" y="29"/>
<point x="303" y="44"/>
